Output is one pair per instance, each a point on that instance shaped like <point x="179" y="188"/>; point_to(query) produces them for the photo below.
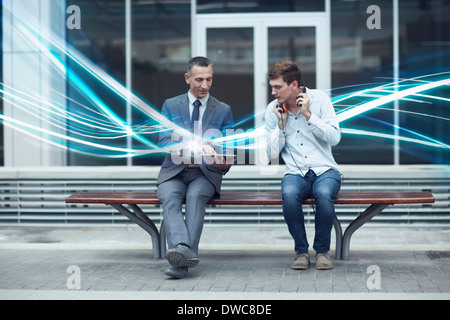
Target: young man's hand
<point x="282" y="116"/>
<point x="303" y="102"/>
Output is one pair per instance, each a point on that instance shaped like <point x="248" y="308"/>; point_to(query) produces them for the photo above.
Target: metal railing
<point x="40" y="201"/>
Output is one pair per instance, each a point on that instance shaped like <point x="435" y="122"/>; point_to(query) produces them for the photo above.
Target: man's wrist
<point x="308" y="115"/>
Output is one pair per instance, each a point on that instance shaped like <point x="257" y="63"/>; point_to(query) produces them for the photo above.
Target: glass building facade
<point x="389" y="58"/>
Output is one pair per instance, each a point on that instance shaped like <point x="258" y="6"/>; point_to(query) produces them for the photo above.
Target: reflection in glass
<point x="1" y="79"/>
<point x="226" y="6"/>
<point x="161" y="39"/>
<point x="231" y="52"/>
<point x="425" y="50"/>
<point x="362" y="58"/>
<point x="102" y="40"/>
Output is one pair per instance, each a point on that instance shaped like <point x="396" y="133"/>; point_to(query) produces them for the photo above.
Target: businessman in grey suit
<point x="197" y="176"/>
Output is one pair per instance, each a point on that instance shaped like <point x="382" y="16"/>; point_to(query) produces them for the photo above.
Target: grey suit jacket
<point x="217" y="115"/>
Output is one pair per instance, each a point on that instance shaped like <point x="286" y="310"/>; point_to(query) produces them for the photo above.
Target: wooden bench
<point x="377" y="202"/>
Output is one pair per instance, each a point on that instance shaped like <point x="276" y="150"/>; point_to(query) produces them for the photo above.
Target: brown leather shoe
<point x="301" y="261"/>
<point x="323" y="261"/>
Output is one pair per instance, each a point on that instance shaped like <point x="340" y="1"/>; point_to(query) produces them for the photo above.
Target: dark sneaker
<point x="182" y="256"/>
<point x="177" y="273"/>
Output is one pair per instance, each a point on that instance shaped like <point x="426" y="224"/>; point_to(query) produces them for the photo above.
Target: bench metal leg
<point x="141" y="219"/>
<point x="162" y="239"/>
<point x="368" y="214"/>
<point x="338" y="231"/>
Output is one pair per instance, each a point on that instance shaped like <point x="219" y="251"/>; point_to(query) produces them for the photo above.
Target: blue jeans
<point x="323" y="189"/>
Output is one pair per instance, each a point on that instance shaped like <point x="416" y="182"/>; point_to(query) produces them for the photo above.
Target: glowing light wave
<point x="92" y="129"/>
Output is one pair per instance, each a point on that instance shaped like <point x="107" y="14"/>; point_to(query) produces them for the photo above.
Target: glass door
<point x="243" y="47"/>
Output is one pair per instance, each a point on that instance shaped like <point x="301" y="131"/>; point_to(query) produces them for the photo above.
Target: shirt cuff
<point x="281" y="133"/>
<point x="313" y="119"/>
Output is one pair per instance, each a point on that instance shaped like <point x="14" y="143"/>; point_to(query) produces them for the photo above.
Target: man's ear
<point x="294" y="83"/>
<point x="187" y="78"/>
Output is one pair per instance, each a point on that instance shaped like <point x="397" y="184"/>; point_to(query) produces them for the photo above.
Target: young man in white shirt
<point x="302" y="127"/>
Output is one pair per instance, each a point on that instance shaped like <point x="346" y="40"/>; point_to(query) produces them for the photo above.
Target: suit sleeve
<point x="227" y="124"/>
<point x="165" y="134"/>
<point x="228" y="121"/>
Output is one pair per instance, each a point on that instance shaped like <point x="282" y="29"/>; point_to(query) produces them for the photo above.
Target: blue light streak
<point x="96" y="129"/>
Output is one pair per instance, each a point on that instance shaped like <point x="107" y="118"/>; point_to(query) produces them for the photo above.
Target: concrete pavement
<point x="235" y="263"/>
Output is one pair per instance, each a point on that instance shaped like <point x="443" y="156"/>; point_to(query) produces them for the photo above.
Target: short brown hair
<point x="288" y="70"/>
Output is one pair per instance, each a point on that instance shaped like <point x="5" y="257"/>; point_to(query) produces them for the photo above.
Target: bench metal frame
<point x="377" y="203"/>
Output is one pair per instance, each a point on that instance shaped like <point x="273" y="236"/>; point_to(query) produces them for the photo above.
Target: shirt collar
<point x="203" y="100"/>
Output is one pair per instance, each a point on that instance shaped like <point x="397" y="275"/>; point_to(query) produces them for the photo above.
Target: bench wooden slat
<point x="254" y="198"/>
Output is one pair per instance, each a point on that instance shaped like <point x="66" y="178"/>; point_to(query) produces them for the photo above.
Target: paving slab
<point x="116" y="263"/>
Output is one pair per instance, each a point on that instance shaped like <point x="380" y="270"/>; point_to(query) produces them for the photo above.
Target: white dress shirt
<point x="303" y="144"/>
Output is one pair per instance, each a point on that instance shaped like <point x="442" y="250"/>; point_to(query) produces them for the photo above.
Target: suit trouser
<point x="197" y="190"/>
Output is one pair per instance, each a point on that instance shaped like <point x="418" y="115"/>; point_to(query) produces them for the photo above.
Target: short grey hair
<point x="198" y="61"/>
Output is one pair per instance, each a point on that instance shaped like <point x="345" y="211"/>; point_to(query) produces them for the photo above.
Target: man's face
<point x="283" y="91"/>
<point x="200" y="80"/>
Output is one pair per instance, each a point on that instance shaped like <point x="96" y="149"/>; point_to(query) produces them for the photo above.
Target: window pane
<point x="362" y="58"/>
<point x="1" y="80"/>
<point x="226" y="6"/>
<point x="102" y="40"/>
<point x="296" y="44"/>
<point x="161" y="51"/>
<point x="425" y="53"/>
<point x="231" y="52"/>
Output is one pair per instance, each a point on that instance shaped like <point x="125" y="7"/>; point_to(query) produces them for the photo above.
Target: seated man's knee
<point x="200" y="197"/>
<point x="323" y="193"/>
<point x="294" y="192"/>
<point x="173" y="195"/>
